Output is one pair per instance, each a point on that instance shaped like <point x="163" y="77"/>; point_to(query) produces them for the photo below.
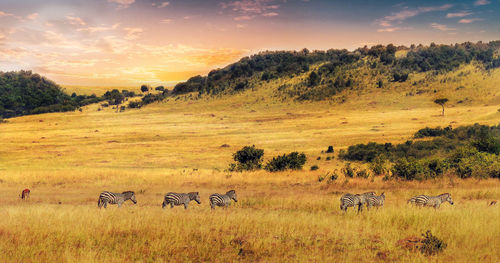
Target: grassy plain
<point x="67" y="159"/>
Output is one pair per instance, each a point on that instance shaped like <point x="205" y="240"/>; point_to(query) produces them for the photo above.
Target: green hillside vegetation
<point x="24" y="93"/>
<point x="319" y="75"/>
<point x="469" y="151"/>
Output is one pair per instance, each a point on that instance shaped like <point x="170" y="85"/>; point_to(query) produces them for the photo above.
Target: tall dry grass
<point x="67" y="159"/>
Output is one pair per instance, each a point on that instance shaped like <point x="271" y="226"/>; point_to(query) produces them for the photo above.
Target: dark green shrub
<point x="330" y="149"/>
<point x="314" y="168"/>
<point x="431" y="244"/>
<point x="134" y="104"/>
<point x="378" y="165"/>
<point x="248" y="158"/>
<point x="363" y="174"/>
<point x="328" y="158"/>
<point x="478" y="165"/>
<point x="408" y="169"/>
<point x="292" y="161"/>
<point x="348" y="170"/>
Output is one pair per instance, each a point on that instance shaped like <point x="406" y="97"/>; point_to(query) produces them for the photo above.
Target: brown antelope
<point x="25" y="194"/>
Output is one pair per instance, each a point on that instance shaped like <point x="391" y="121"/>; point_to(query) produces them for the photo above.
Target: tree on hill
<point x="441" y="102"/>
<point x="144" y="88"/>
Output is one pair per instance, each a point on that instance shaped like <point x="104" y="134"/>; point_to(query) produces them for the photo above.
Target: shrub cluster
<point x="250" y="158"/>
<point x="291" y="161"/>
<point x="468" y="151"/>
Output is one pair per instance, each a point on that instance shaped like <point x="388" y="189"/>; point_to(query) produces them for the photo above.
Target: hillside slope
<point x="334" y="74"/>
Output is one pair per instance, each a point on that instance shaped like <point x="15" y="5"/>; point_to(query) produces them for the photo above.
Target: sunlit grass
<point x="67" y="159"/>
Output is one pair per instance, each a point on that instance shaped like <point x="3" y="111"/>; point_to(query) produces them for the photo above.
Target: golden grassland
<point x="67" y="159"/>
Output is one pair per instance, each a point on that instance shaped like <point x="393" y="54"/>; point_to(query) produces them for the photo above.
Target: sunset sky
<point x="131" y="42"/>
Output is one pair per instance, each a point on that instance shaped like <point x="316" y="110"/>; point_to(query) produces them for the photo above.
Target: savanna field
<point x="185" y="145"/>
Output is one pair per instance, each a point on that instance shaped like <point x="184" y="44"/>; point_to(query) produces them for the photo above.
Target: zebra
<point x="374" y="200"/>
<point x="222" y="200"/>
<point x="359" y="200"/>
<point x="434" y="201"/>
<point x="115" y="198"/>
<point x="180" y="199"/>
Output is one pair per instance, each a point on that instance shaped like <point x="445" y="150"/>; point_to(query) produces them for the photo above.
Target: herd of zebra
<point x="371" y="200"/>
<point x="172" y="199"/>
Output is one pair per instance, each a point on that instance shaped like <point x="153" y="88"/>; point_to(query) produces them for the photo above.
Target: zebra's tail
<point x="99" y="201"/>
<point x="163" y="204"/>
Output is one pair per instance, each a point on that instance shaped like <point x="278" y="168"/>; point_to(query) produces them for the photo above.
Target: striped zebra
<point x="115" y="198"/>
<point x="222" y="200"/>
<point x="434" y="201"/>
<point x="374" y="200"/>
<point x="180" y="199"/>
<point x="348" y="200"/>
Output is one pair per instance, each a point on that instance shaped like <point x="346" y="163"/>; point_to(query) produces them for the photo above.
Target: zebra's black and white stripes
<point x="175" y="199"/>
<point x="374" y="200"/>
<point x="222" y="200"/>
<point x="434" y="201"/>
<point x="106" y="198"/>
<point x="350" y="200"/>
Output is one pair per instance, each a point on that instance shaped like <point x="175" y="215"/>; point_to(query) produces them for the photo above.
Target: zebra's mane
<point x="192" y="195"/>
<point x="128" y="193"/>
<point x="231" y="192"/>
<point x="445" y="194"/>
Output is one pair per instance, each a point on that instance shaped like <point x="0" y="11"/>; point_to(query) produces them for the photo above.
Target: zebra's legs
<point x="171" y="205"/>
<point x="105" y="204"/>
<point x="120" y="204"/>
<point x="185" y="206"/>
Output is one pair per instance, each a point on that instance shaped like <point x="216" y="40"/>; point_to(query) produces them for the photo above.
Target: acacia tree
<point x="144" y="88"/>
<point x="441" y="102"/>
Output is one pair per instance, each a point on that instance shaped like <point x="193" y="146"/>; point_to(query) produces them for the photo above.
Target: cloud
<point x="164" y="4"/>
<point x="133" y="32"/>
<point x="468" y="21"/>
<point x="32" y="16"/>
<point x="4" y="14"/>
<point x="442" y="27"/>
<point x="399" y="17"/>
<point x="75" y="21"/>
<point x="271" y="14"/>
<point x="166" y="21"/>
<point x="249" y="9"/>
<point x="388" y="29"/>
<point x="241" y="26"/>
<point x="94" y="29"/>
<point x="458" y="14"/>
<point x="482" y="2"/>
<point x="239" y="18"/>
<point x="122" y="3"/>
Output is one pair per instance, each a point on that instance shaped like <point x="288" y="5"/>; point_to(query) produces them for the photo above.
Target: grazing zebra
<point x="222" y="200"/>
<point x="374" y="200"/>
<point x="434" y="201"/>
<point x="494" y="202"/>
<point x="115" y="198"/>
<point x="180" y="199"/>
<point x="25" y="194"/>
<point x="359" y="200"/>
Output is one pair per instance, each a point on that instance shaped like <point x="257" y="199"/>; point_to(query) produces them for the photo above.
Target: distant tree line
<point x="332" y="75"/>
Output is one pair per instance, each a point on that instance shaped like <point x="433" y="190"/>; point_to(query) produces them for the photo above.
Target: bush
<point x="363" y="174"/>
<point x="348" y="170"/>
<point x="378" y="165"/>
<point x="408" y="169"/>
<point x="330" y="149"/>
<point x="293" y="161"/>
<point x="314" y="168"/>
<point x="431" y="244"/>
<point x="432" y="132"/>
<point x="248" y="158"/>
<point x="478" y="165"/>
<point x="134" y="104"/>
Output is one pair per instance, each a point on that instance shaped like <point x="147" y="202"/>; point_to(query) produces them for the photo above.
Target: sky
<point x="133" y="42"/>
